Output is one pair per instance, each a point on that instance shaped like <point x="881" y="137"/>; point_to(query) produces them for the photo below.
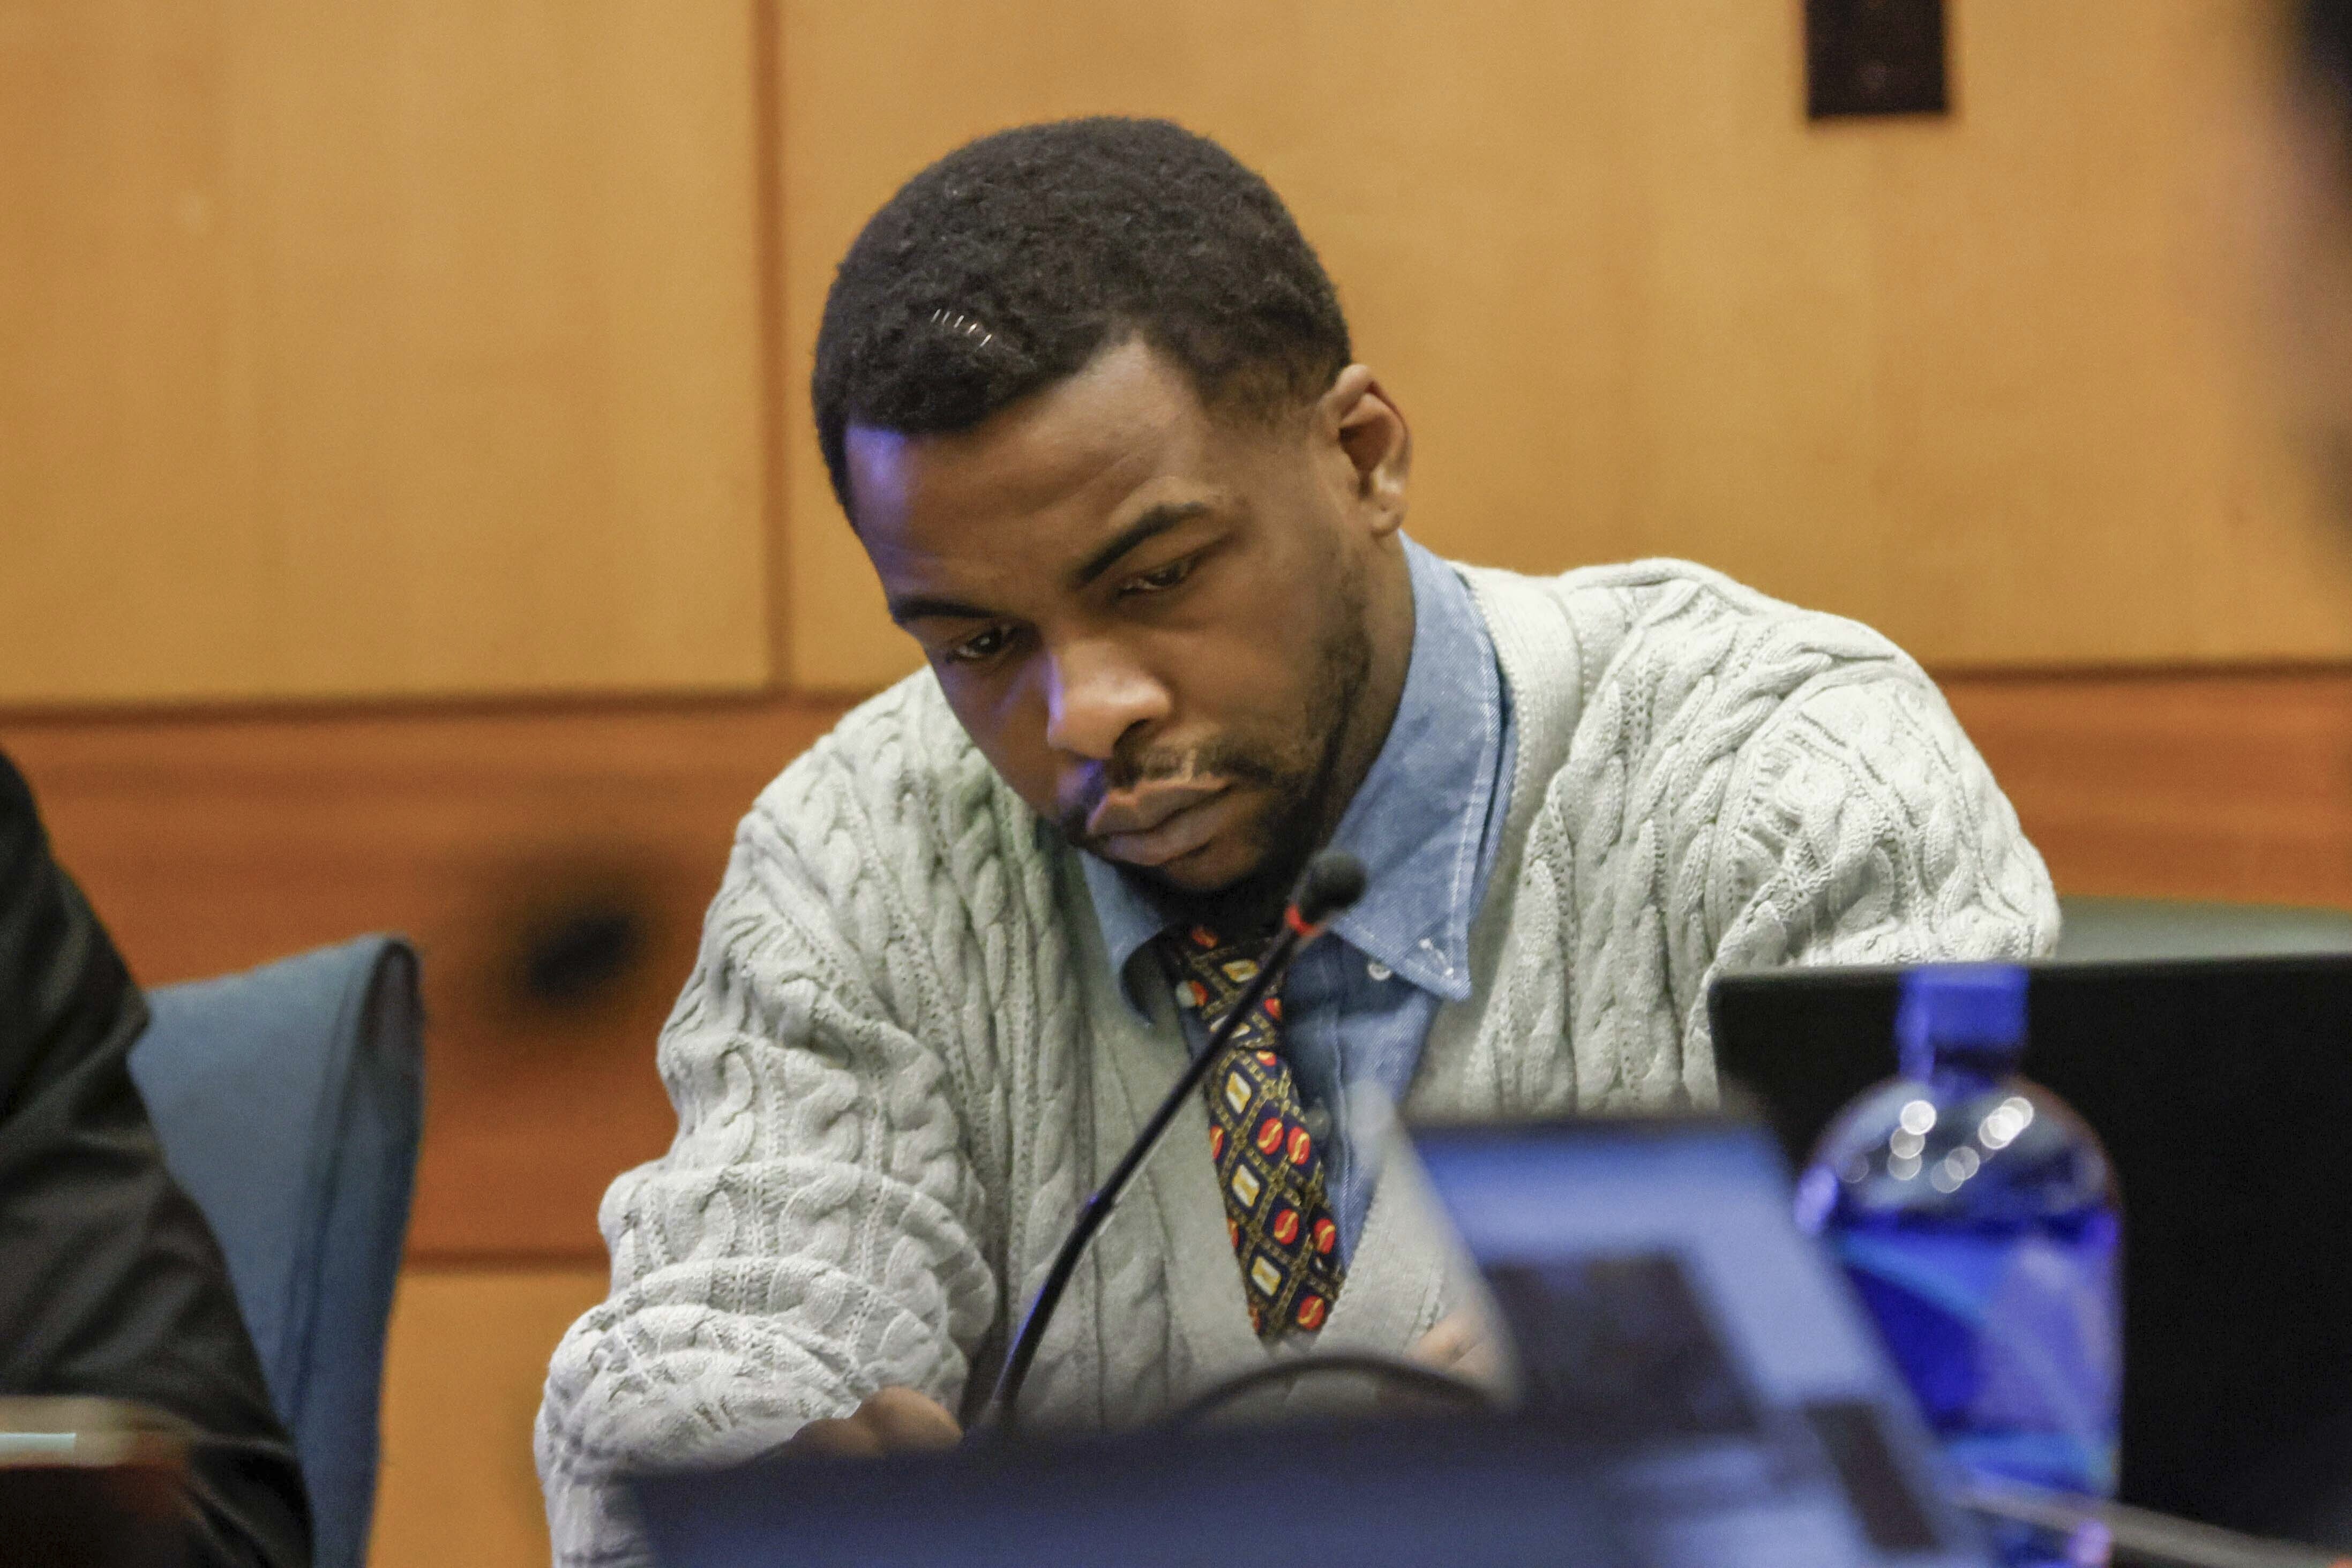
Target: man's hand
<point x="890" y="1420"/>
<point x="1457" y="1345"/>
<point x="1454" y="1346"/>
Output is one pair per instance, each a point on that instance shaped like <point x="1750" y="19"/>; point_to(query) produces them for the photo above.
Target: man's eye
<point x="1160" y="579"/>
<point x="976" y="650"/>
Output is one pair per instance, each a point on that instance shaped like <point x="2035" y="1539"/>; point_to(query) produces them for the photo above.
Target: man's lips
<point x="1156" y="823"/>
<point x="1140" y="810"/>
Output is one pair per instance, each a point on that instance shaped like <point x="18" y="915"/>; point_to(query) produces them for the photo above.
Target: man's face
<point x="1170" y="631"/>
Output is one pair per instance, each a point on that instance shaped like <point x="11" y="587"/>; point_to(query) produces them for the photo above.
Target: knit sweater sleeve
<point x="813" y="1232"/>
<point x="1754" y="785"/>
<point x="1862" y="828"/>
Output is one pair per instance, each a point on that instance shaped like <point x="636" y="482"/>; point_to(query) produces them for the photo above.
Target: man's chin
<point x="1239" y="885"/>
<point x="1218" y="866"/>
<point x="1233" y="850"/>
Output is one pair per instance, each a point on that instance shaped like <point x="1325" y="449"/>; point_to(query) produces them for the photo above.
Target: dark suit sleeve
<point x="111" y="1283"/>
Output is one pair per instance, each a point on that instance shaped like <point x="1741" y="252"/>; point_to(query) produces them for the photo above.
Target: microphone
<point x="1334" y="880"/>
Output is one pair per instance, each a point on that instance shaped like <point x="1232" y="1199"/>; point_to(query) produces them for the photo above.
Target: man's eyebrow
<point x="1152" y="524"/>
<point x="923" y="607"/>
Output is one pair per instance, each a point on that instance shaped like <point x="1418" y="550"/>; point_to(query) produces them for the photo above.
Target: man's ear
<point x="1371" y="431"/>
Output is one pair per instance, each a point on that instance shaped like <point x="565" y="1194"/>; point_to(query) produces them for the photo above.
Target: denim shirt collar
<point x="1418" y="820"/>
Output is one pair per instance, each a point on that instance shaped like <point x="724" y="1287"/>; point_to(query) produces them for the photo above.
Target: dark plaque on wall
<point x="1874" y="56"/>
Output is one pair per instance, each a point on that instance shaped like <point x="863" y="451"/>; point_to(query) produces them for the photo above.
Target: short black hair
<point x="1014" y="260"/>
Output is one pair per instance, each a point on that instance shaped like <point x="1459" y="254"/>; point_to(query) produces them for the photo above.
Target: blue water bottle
<point x="1977" y="1215"/>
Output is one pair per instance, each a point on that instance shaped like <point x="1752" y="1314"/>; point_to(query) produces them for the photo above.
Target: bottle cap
<point x="1976" y="1009"/>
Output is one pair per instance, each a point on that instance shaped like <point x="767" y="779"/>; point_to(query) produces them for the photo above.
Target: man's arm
<point x="111" y="1283"/>
<point x="813" y="1236"/>
<point x="1754" y="785"/>
<point x="1864" y="828"/>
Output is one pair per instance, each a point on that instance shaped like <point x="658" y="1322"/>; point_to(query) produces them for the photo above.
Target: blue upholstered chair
<point x="289" y="1100"/>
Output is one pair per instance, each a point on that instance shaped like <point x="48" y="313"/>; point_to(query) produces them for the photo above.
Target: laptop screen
<point x="1665" y="1307"/>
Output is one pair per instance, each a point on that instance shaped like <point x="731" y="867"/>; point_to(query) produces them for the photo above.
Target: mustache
<point x="1224" y="761"/>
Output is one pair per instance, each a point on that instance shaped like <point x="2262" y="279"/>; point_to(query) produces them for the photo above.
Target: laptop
<point x="1699" y="1389"/>
<point x="2223" y="1089"/>
<point x="1734" y="1404"/>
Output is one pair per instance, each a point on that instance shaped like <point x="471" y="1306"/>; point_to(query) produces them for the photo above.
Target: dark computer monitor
<point x="2223" y="1091"/>
<point x="1476" y="1493"/>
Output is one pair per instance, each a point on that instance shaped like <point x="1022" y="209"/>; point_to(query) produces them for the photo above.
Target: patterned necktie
<point x="1268" y="1165"/>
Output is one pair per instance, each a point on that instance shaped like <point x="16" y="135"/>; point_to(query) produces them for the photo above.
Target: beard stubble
<point x="1300" y="769"/>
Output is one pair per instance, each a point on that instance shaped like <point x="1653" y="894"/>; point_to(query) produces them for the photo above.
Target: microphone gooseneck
<point x="1334" y="880"/>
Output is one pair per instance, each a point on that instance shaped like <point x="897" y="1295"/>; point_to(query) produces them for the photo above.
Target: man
<point x="112" y="1285"/>
<point x="1089" y="400"/>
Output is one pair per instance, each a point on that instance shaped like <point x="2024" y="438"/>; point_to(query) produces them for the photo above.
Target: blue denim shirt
<point x="1426" y="823"/>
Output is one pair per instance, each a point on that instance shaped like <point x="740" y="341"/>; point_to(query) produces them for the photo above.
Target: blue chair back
<point x="290" y="1100"/>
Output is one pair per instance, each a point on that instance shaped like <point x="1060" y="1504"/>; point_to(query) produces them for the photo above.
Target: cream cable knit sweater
<point x="900" y="1061"/>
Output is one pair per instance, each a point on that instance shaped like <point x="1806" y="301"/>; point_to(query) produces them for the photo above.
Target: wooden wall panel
<point x="211" y="842"/>
<point x="461" y="1384"/>
<point x="1971" y="380"/>
<point x="406" y="347"/>
<point x="2235" y="786"/>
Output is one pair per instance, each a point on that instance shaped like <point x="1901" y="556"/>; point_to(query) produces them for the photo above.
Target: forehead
<point x="1126" y="431"/>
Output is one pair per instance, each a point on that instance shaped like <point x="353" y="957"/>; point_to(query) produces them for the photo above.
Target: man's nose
<point x="1094" y="695"/>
